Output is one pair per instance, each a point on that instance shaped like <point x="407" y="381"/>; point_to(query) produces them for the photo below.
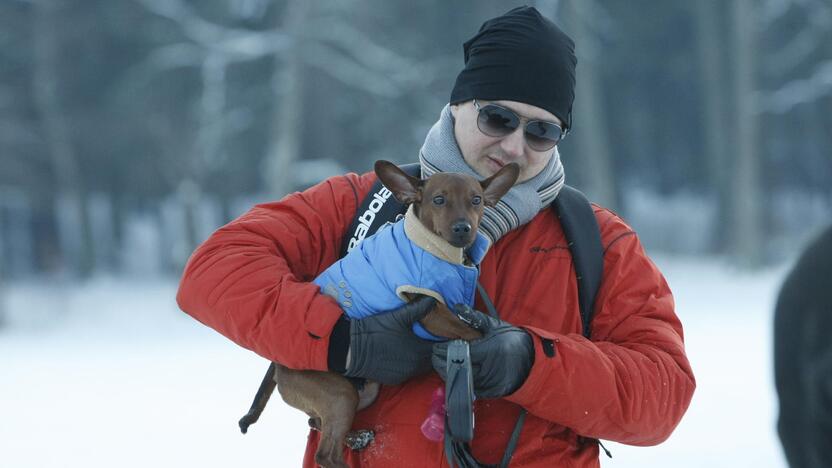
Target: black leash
<point x="492" y="311"/>
<point x="459" y="404"/>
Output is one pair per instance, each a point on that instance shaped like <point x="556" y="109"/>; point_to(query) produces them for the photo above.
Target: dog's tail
<point x="260" y="400"/>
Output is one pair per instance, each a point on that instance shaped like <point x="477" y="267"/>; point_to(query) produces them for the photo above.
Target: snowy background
<point x="130" y="130"/>
<point x="119" y="377"/>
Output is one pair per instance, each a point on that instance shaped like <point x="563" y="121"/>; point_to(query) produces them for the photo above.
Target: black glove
<point x="500" y="361"/>
<point x="383" y="347"/>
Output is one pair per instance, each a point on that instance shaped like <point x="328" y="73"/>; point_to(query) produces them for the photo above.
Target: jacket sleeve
<point x="632" y="383"/>
<point x="250" y="280"/>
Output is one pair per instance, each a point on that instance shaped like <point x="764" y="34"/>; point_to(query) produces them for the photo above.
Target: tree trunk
<point x="3" y="314"/>
<point x="588" y="115"/>
<point x="118" y="217"/>
<point x="65" y="165"/>
<point x="208" y="152"/>
<point x="745" y="186"/>
<point x="3" y="264"/>
<point x="288" y="82"/>
<point x="710" y="39"/>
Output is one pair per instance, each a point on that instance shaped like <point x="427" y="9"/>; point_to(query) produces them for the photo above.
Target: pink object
<point x="433" y="427"/>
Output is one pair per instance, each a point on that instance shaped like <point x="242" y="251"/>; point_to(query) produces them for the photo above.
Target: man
<point x="511" y="103"/>
<point x="803" y="357"/>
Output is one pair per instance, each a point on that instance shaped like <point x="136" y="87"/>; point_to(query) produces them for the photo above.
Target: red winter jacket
<point x="631" y="384"/>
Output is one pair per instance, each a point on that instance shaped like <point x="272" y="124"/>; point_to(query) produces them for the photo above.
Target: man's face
<point x="486" y="154"/>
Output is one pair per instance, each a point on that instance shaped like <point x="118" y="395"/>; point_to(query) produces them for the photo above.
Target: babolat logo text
<point x="366" y="219"/>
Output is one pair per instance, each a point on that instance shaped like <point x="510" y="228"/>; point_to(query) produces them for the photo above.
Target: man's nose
<point x="513" y="143"/>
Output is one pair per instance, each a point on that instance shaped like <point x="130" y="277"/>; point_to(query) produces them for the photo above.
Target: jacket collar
<point x="439" y="247"/>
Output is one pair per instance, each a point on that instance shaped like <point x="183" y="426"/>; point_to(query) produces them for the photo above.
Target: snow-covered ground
<point x="111" y="374"/>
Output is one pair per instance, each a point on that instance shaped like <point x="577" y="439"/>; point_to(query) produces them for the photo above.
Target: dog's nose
<point x="461" y="227"/>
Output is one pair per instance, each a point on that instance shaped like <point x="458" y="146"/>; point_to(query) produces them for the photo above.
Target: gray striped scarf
<point x="440" y="153"/>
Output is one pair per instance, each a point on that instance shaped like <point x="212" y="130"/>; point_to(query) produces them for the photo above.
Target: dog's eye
<point x="439" y="200"/>
<point x="476" y="200"/>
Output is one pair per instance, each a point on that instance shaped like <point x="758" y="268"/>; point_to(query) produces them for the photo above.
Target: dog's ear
<point x="500" y="183"/>
<point x="405" y="188"/>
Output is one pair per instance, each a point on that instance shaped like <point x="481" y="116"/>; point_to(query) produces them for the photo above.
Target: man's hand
<point x="384" y="348"/>
<point x="500" y="361"/>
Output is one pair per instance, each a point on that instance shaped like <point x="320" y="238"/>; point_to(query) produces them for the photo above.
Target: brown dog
<point x="449" y="205"/>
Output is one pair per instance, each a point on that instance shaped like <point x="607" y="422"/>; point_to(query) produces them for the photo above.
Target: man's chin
<point x="485" y="167"/>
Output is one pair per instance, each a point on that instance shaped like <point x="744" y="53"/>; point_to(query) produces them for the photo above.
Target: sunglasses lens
<point x="496" y="121"/>
<point x="542" y="136"/>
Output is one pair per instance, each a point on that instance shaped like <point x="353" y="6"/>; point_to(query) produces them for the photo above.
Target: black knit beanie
<point x="520" y="56"/>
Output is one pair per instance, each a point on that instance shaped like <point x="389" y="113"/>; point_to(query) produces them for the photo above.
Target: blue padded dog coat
<point x="373" y="277"/>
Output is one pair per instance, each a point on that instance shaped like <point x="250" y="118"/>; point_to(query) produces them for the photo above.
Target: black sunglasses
<point x="497" y="121"/>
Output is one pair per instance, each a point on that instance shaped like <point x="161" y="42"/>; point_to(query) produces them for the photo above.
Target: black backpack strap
<point x="377" y="208"/>
<point x="584" y="237"/>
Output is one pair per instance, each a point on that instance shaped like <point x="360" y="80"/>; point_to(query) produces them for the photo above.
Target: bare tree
<point x="589" y="114"/>
<point x="3" y="317"/>
<point x="746" y="217"/>
<point x="710" y="35"/>
<point x="211" y="48"/>
<point x="288" y="83"/>
<point x="308" y="35"/>
<point x="65" y="164"/>
<point x="797" y="50"/>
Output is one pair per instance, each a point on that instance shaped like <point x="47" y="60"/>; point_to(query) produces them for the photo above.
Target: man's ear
<point x="454" y="109"/>
<point x="405" y="188"/>
<point x="496" y="186"/>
